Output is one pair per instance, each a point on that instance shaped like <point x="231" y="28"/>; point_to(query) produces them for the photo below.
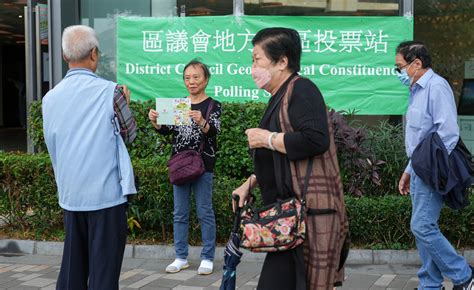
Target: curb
<point x="356" y="256"/>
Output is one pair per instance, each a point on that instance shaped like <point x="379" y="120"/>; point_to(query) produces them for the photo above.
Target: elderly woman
<point x="293" y="130"/>
<point x="190" y="137"/>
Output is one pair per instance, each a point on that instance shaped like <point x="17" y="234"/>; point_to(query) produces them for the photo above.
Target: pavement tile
<point x="245" y="287"/>
<point x="39" y="282"/>
<point x="5" y="274"/>
<point x="201" y="281"/>
<point x="132" y="263"/>
<point x="132" y="279"/>
<point x="147" y="274"/>
<point x="384" y="280"/>
<point x="150" y="288"/>
<point x="181" y="276"/>
<point x="130" y="273"/>
<point x="165" y="283"/>
<point x="10" y="268"/>
<point x="244" y="277"/>
<point x="362" y="281"/>
<point x="6" y="279"/>
<point x="10" y="283"/>
<point x="412" y="283"/>
<point x="24" y="268"/>
<point x="40" y="268"/>
<point x="29" y="277"/>
<point x="377" y="288"/>
<point x="251" y="283"/>
<point x="399" y="282"/>
<point x="50" y="275"/>
<point x="145" y="281"/>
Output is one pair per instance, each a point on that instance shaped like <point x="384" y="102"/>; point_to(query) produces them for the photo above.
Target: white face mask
<point x="261" y="76"/>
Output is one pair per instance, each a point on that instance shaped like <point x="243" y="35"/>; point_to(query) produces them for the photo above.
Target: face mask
<point x="404" y="77"/>
<point x="261" y="76"/>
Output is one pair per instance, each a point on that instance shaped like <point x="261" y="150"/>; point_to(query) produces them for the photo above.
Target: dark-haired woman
<point x="293" y="130"/>
<point x="189" y="137"/>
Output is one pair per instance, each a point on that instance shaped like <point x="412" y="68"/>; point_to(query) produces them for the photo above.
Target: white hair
<point x="78" y="41"/>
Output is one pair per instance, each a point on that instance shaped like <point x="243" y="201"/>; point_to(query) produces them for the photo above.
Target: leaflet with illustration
<point x="173" y="111"/>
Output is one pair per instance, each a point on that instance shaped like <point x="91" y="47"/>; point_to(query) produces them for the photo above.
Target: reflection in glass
<point x="322" y="7"/>
<point x="102" y="15"/>
<point x="466" y="102"/>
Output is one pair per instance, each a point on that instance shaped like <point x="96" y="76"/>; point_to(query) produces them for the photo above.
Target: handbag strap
<point x="208" y="113"/>
<point x="277" y="160"/>
<point x="306" y="179"/>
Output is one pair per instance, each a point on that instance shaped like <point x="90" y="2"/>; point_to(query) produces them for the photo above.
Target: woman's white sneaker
<point x="177" y="265"/>
<point x="206" y="267"/>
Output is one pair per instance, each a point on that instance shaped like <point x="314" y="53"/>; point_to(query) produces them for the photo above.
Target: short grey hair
<point x="78" y="41"/>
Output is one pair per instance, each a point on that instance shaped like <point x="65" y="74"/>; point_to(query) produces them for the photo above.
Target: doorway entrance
<point x="12" y="76"/>
<point x="24" y="67"/>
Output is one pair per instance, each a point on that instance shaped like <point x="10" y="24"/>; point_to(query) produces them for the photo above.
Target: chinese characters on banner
<point x="349" y="58"/>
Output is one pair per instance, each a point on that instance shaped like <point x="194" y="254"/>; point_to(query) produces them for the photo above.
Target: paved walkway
<point x="40" y="272"/>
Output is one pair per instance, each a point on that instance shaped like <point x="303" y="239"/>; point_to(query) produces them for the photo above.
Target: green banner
<point x="349" y="58"/>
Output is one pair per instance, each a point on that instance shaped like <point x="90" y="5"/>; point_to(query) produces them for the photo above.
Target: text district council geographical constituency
<point x="237" y="69"/>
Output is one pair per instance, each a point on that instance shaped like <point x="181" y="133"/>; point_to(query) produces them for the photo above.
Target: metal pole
<point x="55" y="52"/>
<point x="39" y="74"/>
<point x="407" y="8"/>
<point x="238" y="7"/>
<point x="30" y="61"/>
<point x="50" y="51"/>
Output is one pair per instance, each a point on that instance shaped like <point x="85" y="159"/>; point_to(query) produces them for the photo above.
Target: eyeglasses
<point x="399" y="68"/>
<point x="99" y="52"/>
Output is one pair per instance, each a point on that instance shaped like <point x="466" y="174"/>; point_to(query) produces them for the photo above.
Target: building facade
<point x="31" y="61"/>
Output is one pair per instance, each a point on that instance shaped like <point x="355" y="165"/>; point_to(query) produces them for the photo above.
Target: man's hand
<point x="404" y="184"/>
<point x="126" y="93"/>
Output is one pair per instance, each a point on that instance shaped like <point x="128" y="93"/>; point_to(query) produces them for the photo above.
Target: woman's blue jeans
<point x="202" y="189"/>
<point x="438" y="256"/>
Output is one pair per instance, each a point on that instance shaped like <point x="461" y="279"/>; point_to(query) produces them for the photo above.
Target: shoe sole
<point x="178" y="270"/>
<point x="205" y="273"/>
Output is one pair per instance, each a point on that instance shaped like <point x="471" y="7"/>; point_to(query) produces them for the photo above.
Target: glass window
<point x="446" y="28"/>
<point x="205" y="7"/>
<point x="102" y="14"/>
<point x="323" y="7"/>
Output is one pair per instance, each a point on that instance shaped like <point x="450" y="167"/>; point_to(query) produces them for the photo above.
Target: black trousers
<point x="93" y="249"/>
<point x="283" y="271"/>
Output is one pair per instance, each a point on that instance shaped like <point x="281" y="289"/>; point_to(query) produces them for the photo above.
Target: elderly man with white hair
<point x="86" y="122"/>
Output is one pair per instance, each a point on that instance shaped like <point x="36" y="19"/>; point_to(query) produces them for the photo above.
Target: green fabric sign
<point x="349" y="58"/>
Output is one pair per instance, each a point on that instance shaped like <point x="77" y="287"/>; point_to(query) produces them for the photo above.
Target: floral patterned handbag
<point x="276" y="227"/>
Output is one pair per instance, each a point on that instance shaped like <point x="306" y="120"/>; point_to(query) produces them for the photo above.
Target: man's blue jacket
<point x="447" y="174"/>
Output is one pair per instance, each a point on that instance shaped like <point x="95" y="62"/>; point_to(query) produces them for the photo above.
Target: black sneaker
<point x="469" y="285"/>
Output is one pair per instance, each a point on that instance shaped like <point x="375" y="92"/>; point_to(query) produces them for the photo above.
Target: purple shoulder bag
<point x="187" y="165"/>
